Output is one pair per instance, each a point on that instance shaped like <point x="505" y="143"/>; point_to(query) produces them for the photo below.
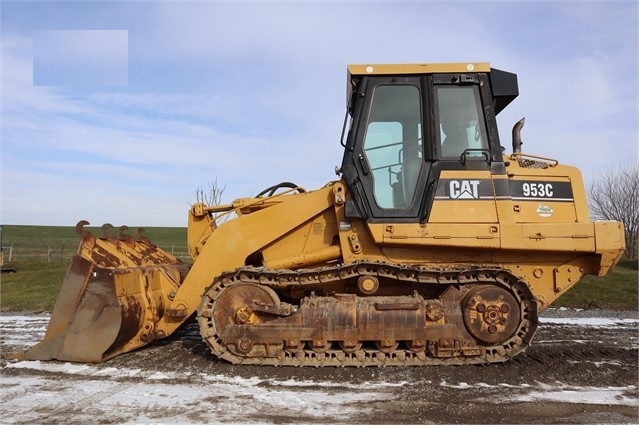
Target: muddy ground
<point x="581" y="368"/>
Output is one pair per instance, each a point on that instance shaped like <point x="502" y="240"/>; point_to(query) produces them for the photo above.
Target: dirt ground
<point x="581" y="368"/>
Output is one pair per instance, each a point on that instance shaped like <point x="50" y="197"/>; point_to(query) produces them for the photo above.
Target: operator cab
<point x="407" y="123"/>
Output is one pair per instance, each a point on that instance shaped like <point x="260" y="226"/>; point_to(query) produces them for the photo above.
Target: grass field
<point x="59" y="243"/>
<point x="617" y="291"/>
<point x="36" y="284"/>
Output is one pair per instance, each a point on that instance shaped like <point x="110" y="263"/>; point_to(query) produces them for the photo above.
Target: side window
<point x="461" y="122"/>
<point x="393" y="144"/>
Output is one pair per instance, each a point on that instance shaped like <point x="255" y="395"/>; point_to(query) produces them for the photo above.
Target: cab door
<point x="387" y="168"/>
<point x="462" y="211"/>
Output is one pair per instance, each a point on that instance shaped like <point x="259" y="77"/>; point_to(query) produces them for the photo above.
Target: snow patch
<point x="626" y="396"/>
<point x="597" y="322"/>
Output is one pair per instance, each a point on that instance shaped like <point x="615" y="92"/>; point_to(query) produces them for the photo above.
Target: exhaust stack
<point x="517" y="135"/>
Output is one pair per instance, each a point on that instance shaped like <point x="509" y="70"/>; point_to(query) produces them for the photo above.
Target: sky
<point x="119" y="111"/>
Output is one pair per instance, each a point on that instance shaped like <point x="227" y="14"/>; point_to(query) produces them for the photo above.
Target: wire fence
<point x="63" y="251"/>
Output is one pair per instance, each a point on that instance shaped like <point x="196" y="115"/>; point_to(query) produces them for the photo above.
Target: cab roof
<point x="418" y="68"/>
<point x="504" y="84"/>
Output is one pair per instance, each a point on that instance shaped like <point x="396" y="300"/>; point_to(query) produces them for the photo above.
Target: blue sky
<point x="118" y="111"/>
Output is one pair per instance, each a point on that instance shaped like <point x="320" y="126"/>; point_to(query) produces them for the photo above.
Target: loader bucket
<point x="114" y="293"/>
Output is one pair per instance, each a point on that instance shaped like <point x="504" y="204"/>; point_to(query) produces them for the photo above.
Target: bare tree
<point x="614" y="195"/>
<point x="212" y="196"/>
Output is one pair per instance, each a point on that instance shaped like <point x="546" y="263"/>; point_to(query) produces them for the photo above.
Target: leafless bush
<point x="614" y="195"/>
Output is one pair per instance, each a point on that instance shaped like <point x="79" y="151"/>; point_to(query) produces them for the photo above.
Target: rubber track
<point x="278" y="279"/>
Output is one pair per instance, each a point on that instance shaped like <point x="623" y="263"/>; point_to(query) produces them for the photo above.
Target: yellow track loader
<point x="433" y="246"/>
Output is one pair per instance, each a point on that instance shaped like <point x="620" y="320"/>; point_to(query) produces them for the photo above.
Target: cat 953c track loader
<point x="432" y="247"/>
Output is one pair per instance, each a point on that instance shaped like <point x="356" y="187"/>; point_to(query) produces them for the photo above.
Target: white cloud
<point x="254" y="93"/>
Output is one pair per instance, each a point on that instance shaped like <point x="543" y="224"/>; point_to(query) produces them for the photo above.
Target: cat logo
<point x="464" y="189"/>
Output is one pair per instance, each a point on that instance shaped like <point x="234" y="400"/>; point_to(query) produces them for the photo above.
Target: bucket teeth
<point x="106" y="227"/>
<point x="106" y="232"/>
<point x="79" y="228"/>
<point x="126" y="238"/>
<point x="139" y="235"/>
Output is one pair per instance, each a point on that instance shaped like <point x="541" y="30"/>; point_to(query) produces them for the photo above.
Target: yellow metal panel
<point x="418" y="68"/>
<point x="575" y="237"/>
<point x="437" y="256"/>
<point x="611" y="243"/>
<point x="544" y="212"/>
<point x="312" y="236"/>
<point x="573" y="210"/>
<point x="467" y="211"/>
<point x="464" y="197"/>
<point x="461" y="235"/>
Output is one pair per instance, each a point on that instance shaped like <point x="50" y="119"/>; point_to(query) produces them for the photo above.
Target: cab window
<point x="393" y="144"/>
<point x="461" y="130"/>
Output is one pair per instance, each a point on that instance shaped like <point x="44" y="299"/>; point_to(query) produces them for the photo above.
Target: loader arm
<point x="240" y="238"/>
